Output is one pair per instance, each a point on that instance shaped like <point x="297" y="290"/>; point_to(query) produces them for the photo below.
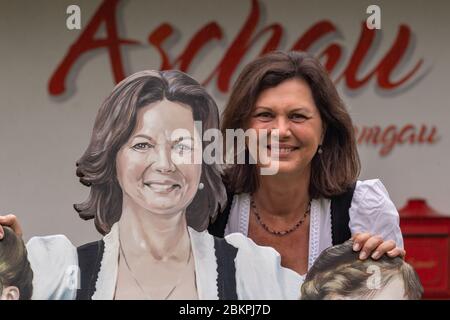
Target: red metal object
<point x="426" y="234"/>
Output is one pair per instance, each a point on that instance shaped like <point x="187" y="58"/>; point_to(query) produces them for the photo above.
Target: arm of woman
<point x="374" y="221"/>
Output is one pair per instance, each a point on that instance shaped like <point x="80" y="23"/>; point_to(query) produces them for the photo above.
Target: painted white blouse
<point x="371" y="211"/>
<point x="259" y="274"/>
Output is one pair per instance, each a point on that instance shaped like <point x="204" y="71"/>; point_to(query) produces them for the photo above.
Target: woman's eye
<point x="264" y="115"/>
<point x="298" y="117"/>
<point x="142" y="146"/>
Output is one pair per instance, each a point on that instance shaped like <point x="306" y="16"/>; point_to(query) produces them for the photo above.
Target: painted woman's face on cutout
<point x="148" y="164"/>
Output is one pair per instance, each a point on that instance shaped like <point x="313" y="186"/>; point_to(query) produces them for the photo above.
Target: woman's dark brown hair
<point x="113" y="126"/>
<point x="15" y="270"/>
<point x="333" y="171"/>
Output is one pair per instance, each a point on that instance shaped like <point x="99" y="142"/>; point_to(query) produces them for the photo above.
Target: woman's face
<point x="290" y="108"/>
<point x="155" y="167"/>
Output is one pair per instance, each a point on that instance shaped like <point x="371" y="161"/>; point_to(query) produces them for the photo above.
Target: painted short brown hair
<point x="338" y="167"/>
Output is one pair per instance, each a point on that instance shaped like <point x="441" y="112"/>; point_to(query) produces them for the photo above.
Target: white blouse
<point x="371" y="211"/>
<point x="259" y="274"/>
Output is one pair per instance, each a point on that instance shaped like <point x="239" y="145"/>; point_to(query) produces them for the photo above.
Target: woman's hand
<point x="11" y="221"/>
<point x="375" y="247"/>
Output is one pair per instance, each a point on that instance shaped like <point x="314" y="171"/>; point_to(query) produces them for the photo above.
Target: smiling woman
<point x="314" y="200"/>
<point x="153" y="203"/>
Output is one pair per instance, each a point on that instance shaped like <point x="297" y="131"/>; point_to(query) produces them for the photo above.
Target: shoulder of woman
<point x="48" y="244"/>
<point x="373" y="211"/>
<point x="259" y="273"/>
<point x="372" y="196"/>
<point x="54" y="262"/>
<point x="55" y="250"/>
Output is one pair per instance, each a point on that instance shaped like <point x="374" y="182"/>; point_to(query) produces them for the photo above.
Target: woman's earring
<point x="201" y="186"/>
<point x="320" y="151"/>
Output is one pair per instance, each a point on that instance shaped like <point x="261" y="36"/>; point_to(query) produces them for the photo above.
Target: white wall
<point x="42" y="136"/>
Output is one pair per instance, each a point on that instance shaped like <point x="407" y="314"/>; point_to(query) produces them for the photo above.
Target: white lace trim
<point x="244" y="214"/>
<point x="205" y="264"/>
<point x="105" y="286"/>
<point x="314" y="233"/>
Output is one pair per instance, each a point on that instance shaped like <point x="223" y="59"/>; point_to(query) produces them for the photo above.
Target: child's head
<point x="15" y="272"/>
<point x="338" y="273"/>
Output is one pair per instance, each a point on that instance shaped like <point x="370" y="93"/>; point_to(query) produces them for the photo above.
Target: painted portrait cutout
<point x="15" y="272"/>
<point x="339" y="274"/>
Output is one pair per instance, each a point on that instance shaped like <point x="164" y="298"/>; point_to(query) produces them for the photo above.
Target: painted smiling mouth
<point x="162" y="187"/>
<point x="282" y="150"/>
